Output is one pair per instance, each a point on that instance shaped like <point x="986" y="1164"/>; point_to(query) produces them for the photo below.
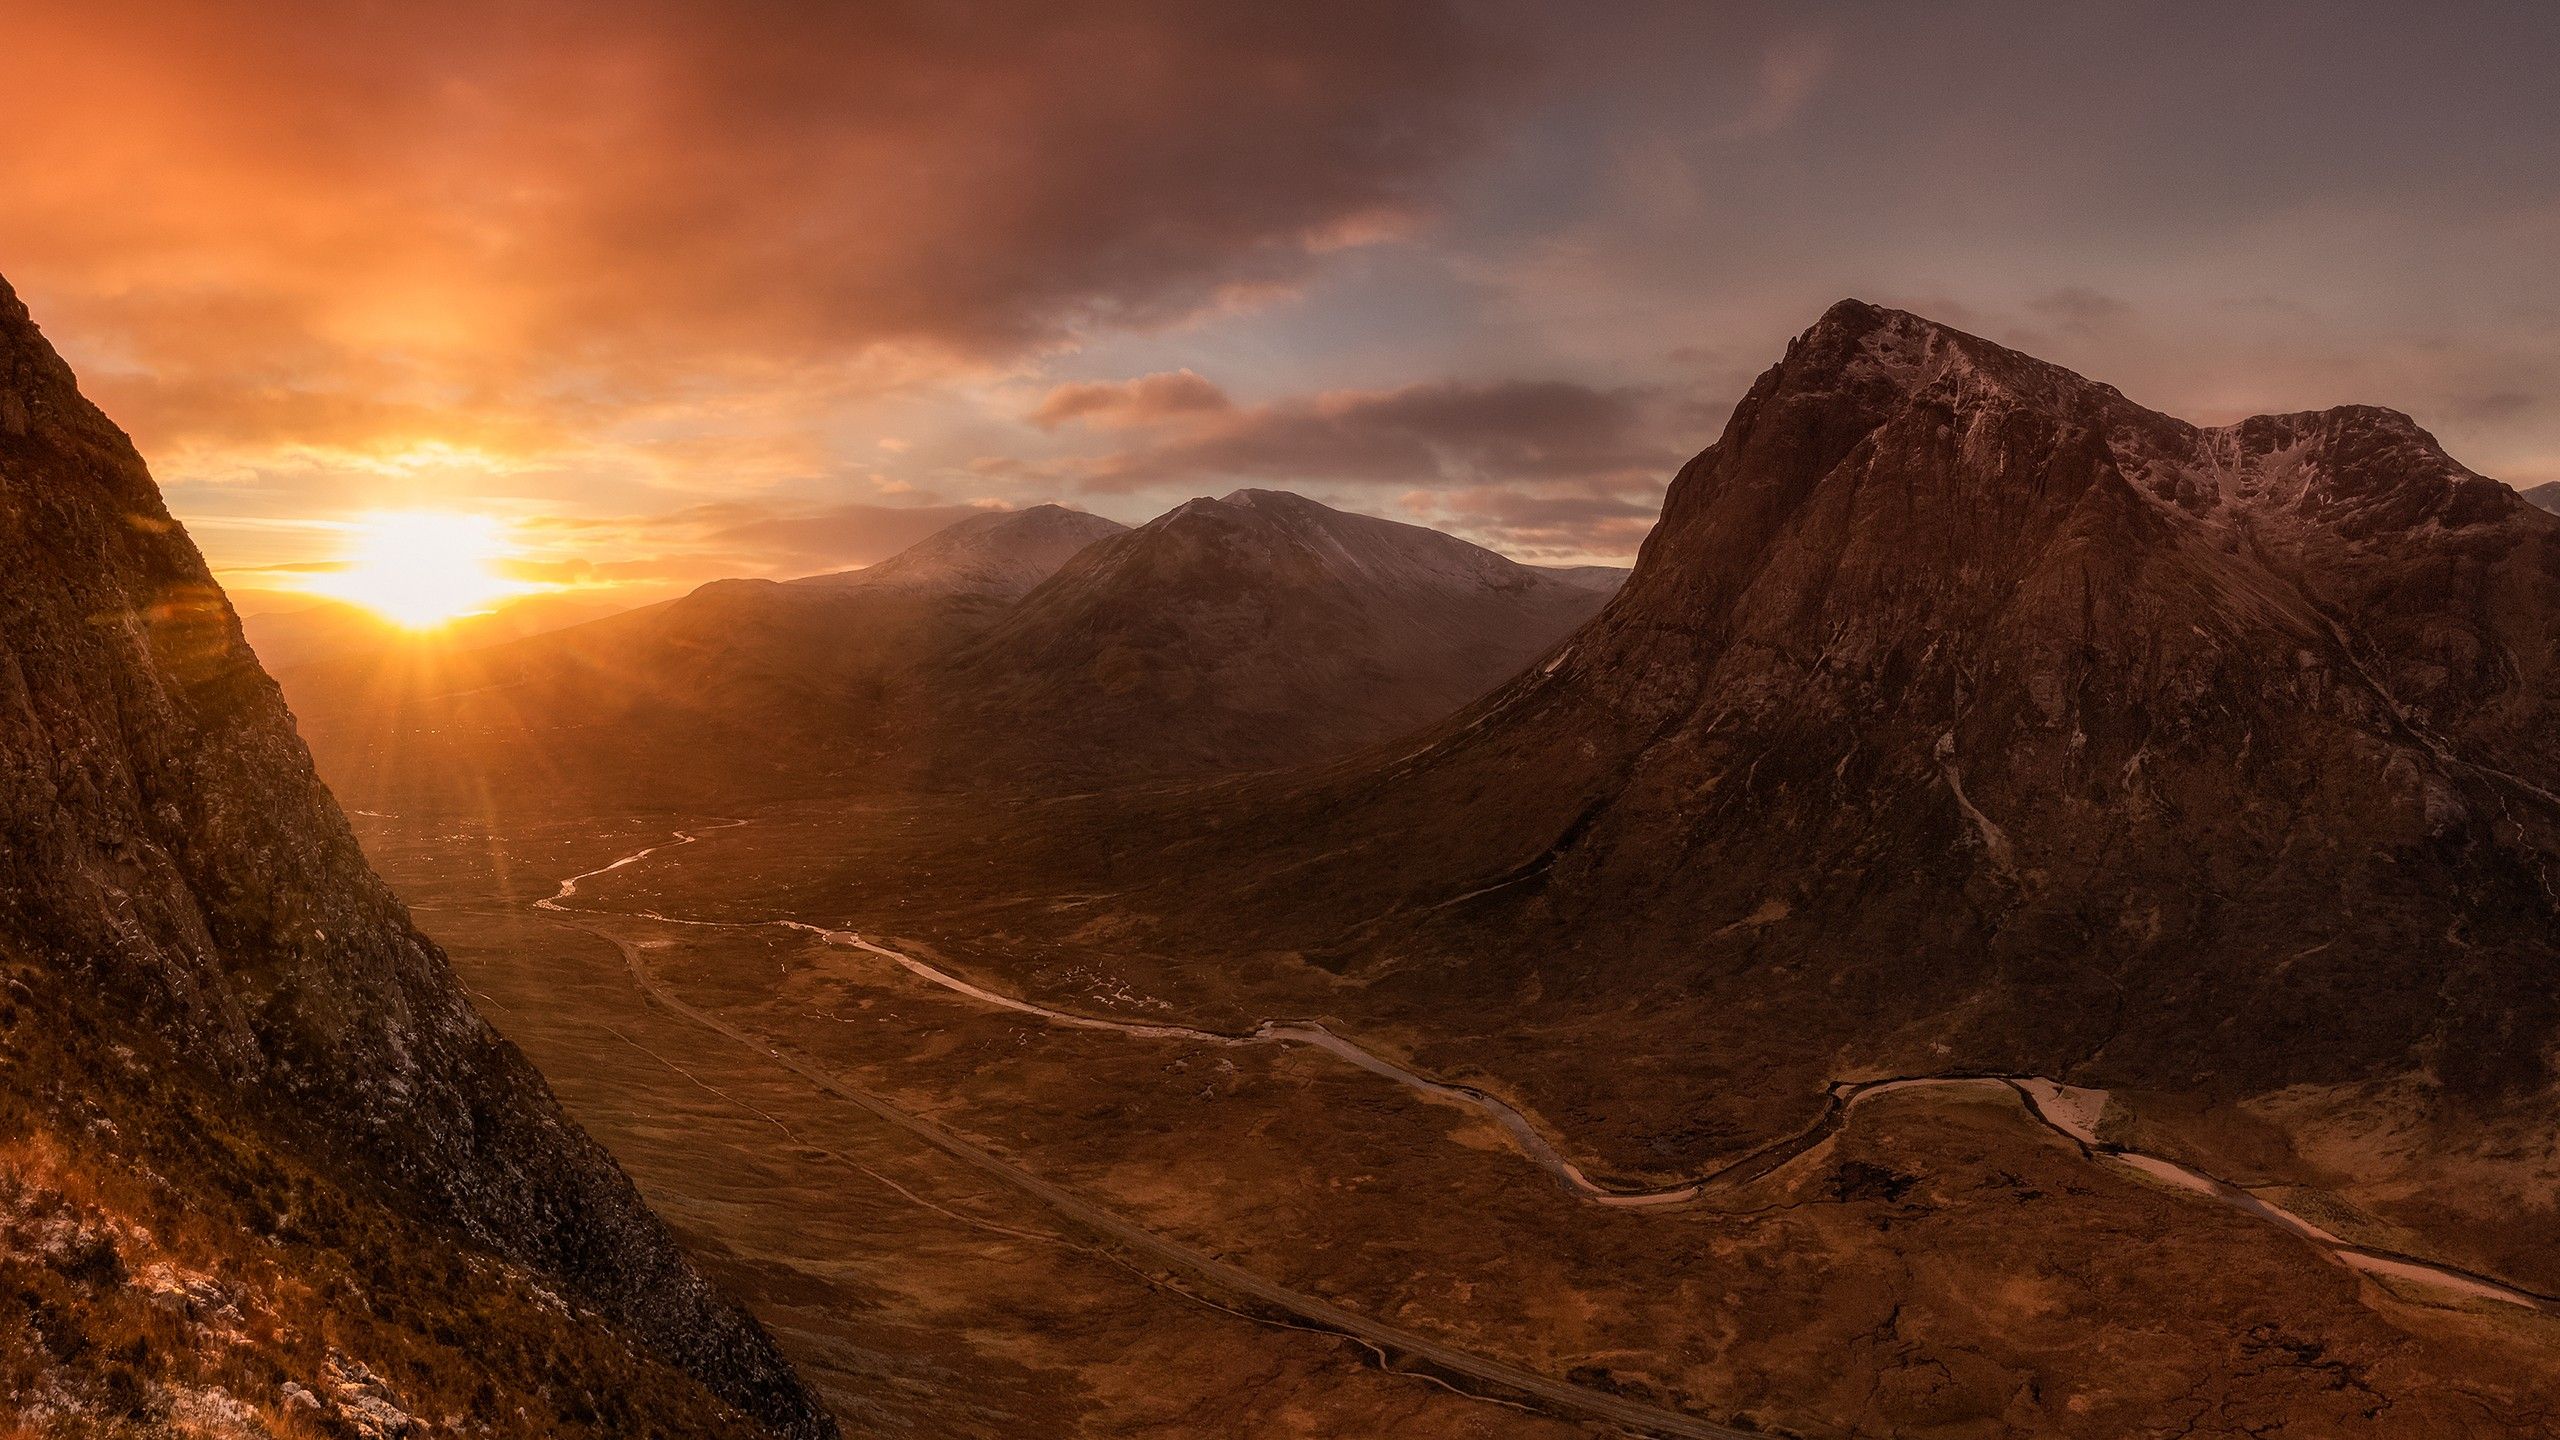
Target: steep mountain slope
<point x="744" y="688"/>
<point x="2546" y="495"/>
<point x="266" y="1172"/>
<point x="1258" y="630"/>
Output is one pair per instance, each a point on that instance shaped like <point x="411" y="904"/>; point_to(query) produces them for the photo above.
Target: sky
<point x="678" y="289"/>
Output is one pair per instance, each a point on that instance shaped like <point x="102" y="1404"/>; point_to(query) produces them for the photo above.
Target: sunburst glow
<point x="424" y="568"/>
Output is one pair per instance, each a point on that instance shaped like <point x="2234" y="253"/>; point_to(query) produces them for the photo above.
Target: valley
<point x="1824" y="994"/>
<point x="1335" y="1184"/>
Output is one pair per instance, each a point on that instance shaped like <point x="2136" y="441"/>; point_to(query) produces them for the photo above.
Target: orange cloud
<point x="476" y="198"/>
<point x="1130" y="404"/>
<point x="582" y="256"/>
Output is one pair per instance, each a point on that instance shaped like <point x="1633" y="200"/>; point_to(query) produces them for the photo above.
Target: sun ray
<point x="421" y="569"/>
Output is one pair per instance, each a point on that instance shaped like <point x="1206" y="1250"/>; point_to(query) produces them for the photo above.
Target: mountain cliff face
<point x="1258" y="630"/>
<point x="1963" y="715"/>
<point x="263" y="1159"/>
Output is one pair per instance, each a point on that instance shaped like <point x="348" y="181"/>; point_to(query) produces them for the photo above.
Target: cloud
<point x="757" y="174"/>
<point x="1131" y="404"/>
<point x="1575" y="523"/>
<point x="2081" y="311"/>
<point x="742" y="537"/>
<point x="253" y="223"/>
<point x="1433" y="432"/>
<point x="1543" y="468"/>
<point x="1791" y="71"/>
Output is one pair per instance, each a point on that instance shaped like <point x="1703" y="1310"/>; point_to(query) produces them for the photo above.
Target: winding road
<point x="2071" y="1112"/>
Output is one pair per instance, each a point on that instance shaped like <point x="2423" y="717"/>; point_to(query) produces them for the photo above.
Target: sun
<point x="423" y="568"/>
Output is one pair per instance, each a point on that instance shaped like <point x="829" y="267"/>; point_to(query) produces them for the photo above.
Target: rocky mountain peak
<point x="1857" y="345"/>
<point x="1871" y="404"/>
<point x="1349" y="548"/>
<point x="1277" y="501"/>
<point x="2361" y="470"/>
<point x="37" y="390"/>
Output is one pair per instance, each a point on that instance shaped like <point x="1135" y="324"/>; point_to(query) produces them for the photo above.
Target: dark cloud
<point x="2498" y="405"/>
<point x="1441" y="431"/>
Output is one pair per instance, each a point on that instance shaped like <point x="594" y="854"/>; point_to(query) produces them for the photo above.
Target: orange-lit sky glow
<point x="678" y="289"/>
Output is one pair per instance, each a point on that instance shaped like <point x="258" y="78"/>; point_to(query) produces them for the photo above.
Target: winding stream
<point x="2070" y="1111"/>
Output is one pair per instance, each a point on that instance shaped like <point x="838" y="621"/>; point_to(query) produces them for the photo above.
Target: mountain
<point x="262" y="1169"/>
<point x="1961" y="715"/>
<point x="2546" y="495"/>
<point x="289" y="631"/>
<point x="1259" y="630"/>
<point x="1004" y="554"/>
<point x="743" y="688"/>
<point x="1603" y="578"/>
<point x="1029" y="649"/>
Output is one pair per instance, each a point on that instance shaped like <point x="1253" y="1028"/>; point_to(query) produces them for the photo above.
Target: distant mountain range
<point x="289" y="630"/>
<point x="1243" y="633"/>
<point x="1021" y="649"/>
